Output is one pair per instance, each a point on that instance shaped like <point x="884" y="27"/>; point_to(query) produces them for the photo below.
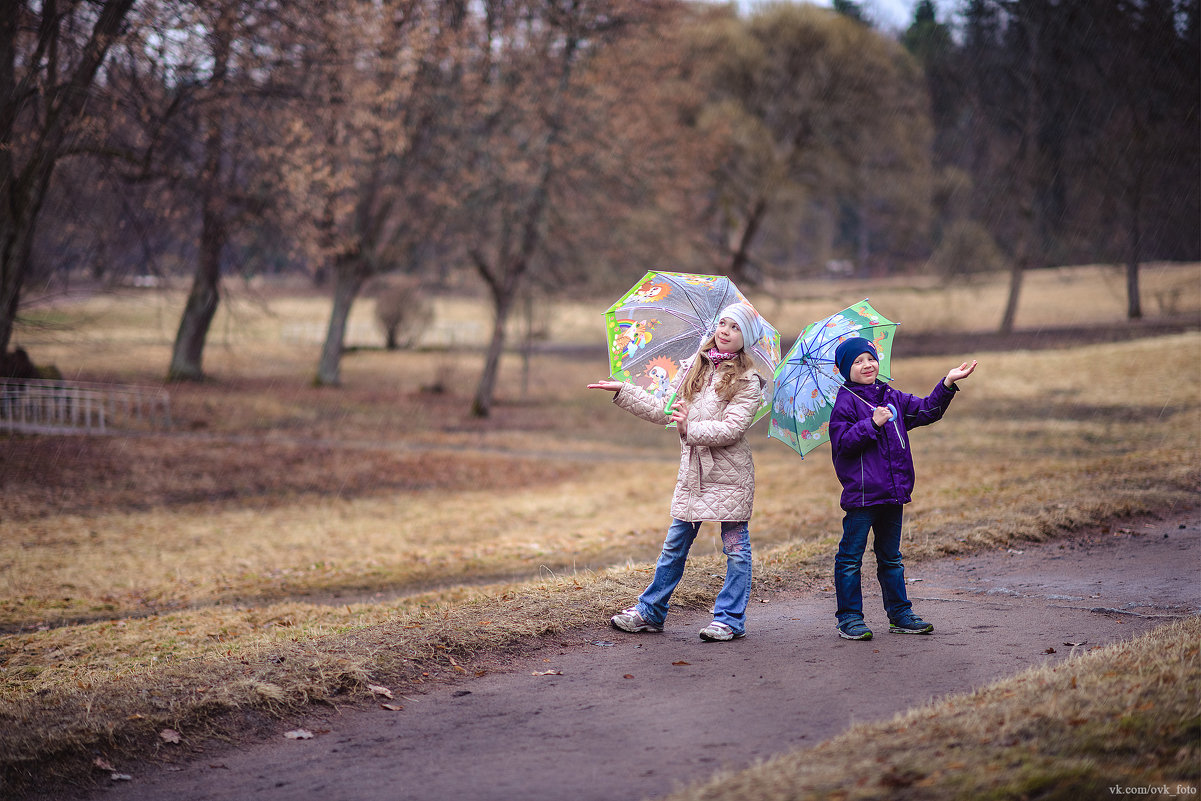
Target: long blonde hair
<point x="729" y="372"/>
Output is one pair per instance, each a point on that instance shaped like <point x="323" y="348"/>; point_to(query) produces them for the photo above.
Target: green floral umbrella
<point x="662" y="320"/>
<point x="807" y="380"/>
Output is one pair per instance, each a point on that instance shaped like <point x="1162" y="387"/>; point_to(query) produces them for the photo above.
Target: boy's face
<point x="864" y="369"/>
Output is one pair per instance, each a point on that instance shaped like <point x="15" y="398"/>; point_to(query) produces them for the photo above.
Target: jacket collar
<point x="866" y="391"/>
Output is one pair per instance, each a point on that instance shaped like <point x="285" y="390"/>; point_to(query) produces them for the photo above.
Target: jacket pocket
<point x="728" y="467"/>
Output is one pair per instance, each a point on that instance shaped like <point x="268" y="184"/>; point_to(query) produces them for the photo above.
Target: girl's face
<point x="864" y="369"/>
<point x="728" y="336"/>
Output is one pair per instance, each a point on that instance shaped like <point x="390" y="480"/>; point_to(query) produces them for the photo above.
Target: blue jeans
<point x="730" y="607"/>
<point x="885" y="521"/>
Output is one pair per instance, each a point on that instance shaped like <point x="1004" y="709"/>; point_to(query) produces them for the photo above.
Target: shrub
<point x="402" y="310"/>
<point x="967" y="249"/>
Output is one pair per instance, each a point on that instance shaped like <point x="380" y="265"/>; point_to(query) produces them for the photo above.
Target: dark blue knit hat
<point x="849" y="350"/>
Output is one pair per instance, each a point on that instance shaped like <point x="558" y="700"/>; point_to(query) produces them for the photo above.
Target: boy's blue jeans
<point x="885" y="520"/>
<point x="730" y="607"/>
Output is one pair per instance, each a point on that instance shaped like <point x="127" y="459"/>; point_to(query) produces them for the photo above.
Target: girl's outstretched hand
<point x="608" y="384"/>
<point x="959" y="373"/>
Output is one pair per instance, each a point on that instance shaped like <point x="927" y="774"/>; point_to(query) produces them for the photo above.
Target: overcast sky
<point x="887" y="14"/>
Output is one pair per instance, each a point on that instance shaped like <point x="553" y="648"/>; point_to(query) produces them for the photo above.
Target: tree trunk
<point x="1015" y="291"/>
<point x="188" y="354"/>
<point x="16" y="241"/>
<point x="1134" y="306"/>
<point x="742" y="253"/>
<point x="502" y="304"/>
<point x="348" y="280"/>
<point x="863" y="250"/>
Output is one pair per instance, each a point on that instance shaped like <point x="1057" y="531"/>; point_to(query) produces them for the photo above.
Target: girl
<point x="717" y="397"/>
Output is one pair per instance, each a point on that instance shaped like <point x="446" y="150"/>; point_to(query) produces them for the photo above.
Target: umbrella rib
<point x="697" y="312"/>
<point x="826" y="342"/>
<point x="725" y="296"/>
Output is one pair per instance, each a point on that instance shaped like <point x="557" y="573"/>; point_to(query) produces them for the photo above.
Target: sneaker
<point x="854" y="630"/>
<point x="632" y="621"/>
<point x="720" y="632"/>
<point x="911" y="625"/>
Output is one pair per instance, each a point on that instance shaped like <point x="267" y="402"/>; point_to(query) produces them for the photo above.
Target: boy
<point x="869" y="438"/>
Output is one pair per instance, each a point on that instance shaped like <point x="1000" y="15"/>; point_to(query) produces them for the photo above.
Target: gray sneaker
<point x="911" y="625"/>
<point x="854" y="630"/>
<point x="632" y="621"/>
<point x="720" y="632"/>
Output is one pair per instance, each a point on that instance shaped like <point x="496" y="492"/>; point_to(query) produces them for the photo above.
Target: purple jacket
<point x="875" y="465"/>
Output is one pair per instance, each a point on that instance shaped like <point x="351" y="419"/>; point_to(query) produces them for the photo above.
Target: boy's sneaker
<point x="720" y="632"/>
<point x="632" y="621"/>
<point x="910" y="625"/>
<point x="854" y="630"/>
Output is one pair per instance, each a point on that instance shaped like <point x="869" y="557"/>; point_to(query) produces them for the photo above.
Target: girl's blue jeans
<point x="730" y="607"/>
<point x="885" y="521"/>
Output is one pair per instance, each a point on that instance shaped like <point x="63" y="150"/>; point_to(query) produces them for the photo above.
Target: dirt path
<point x="635" y="716"/>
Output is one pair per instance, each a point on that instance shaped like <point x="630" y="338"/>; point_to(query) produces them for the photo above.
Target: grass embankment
<point x="1124" y="716"/>
<point x="290" y="545"/>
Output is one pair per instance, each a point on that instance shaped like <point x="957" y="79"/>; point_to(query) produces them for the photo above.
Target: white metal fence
<point x="56" y="407"/>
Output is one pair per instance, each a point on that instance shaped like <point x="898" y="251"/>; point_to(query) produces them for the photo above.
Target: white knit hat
<point x="748" y="322"/>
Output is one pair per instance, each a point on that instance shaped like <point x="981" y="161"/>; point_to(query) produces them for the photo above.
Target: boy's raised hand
<point x="959" y="373"/>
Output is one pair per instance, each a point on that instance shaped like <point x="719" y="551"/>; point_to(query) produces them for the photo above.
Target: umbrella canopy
<point x="662" y="321"/>
<point x="807" y="380"/>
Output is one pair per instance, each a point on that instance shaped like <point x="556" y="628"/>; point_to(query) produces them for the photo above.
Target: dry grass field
<point x="285" y="544"/>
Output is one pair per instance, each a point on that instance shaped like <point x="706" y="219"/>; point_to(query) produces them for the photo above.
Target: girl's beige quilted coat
<point x="717" y="474"/>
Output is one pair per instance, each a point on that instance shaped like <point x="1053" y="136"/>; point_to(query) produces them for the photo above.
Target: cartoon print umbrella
<point x="662" y="320"/>
<point x="807" y="380"/>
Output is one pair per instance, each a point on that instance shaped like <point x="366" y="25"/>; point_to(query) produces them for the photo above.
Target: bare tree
<point x="219" y="27"/>
<point x="1028" y="162"/>
<point x="50" y="58"/>
<point x="525" y="106"/>
<point x="1145" y="140"/>
<point x="355" y="153"/>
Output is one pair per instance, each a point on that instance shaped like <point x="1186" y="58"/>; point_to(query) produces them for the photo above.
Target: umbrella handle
<point x="895" y="427"/>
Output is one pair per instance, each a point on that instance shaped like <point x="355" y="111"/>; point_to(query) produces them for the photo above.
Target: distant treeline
<point x="570" y="145"/>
